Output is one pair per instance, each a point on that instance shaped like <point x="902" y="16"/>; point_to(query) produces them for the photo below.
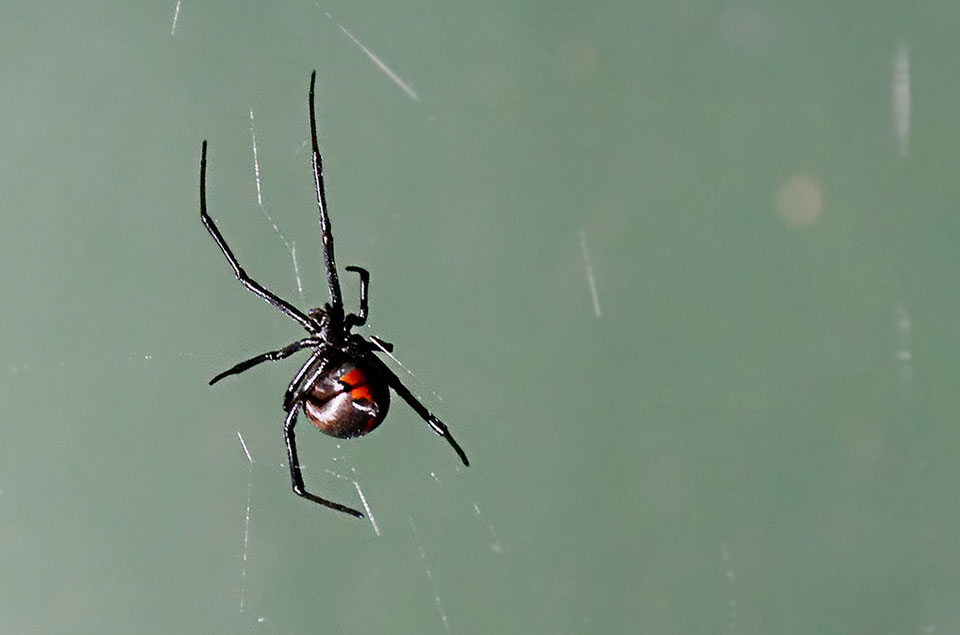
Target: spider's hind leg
<point x="296" y="478"/>
<point x="299" y="385"/>
<point x="381" y="344"/>
<point x="404" y="393"/>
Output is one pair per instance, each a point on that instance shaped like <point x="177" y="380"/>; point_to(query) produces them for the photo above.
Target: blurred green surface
<point x="757" y="435"/>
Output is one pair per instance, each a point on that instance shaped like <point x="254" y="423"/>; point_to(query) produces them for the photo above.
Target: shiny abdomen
<point x="349" y="400"/>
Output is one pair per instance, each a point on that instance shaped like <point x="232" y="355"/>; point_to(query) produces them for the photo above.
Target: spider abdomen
<point x="349" y="400"/>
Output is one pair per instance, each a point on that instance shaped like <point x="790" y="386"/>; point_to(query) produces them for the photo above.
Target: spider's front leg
<point x="248" y="282"/>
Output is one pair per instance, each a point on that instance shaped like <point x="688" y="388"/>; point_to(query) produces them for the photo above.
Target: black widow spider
<point x="343" y="388"/>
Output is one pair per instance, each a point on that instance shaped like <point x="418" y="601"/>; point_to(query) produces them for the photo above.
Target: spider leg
<point x="296" y="388"/>
<point x="360" y="319"/>
<point x="296" y="478"/>
<point x="381" y="344"/>
<point x="438" y="426"/>
<point x="245" y="280"/>
<point x="311" y="372"/>
<point x="272" y="356"/>
<point x="326" y="233"/>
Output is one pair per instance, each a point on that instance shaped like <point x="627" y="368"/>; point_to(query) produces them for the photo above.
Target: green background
<point x="758" y="434"/>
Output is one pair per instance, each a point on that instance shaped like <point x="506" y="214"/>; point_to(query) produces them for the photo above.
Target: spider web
<point x="700" y="269"/>
<point x="100" y="463"/>
<point x="348" y="472"/>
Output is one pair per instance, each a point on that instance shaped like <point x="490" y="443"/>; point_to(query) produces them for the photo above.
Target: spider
<point x="343" y="388"/>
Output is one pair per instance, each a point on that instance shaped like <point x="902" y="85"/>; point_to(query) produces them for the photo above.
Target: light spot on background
<point x="799" y="200"/>
<point x="900" y="96"/>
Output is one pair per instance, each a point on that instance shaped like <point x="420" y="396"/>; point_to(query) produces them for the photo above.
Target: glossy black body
<point x="344" y="387"/>
<point x="348" y="400"/>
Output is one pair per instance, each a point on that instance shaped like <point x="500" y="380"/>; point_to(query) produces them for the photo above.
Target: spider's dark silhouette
<point x="343" y="388"/>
